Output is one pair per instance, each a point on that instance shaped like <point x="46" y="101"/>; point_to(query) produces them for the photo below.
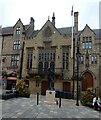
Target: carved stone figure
<point x="50" y="79"/>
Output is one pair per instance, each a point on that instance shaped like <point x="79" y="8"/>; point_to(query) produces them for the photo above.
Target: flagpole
<point x="1" y="51"/>
<point x="72" y="50"/>
<point x="72" y="34"/>
<point x="1" y="69"/>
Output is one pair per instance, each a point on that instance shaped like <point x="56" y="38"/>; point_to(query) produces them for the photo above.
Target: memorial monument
<point x="50" y="93"/>
<point x="50" y="77"/>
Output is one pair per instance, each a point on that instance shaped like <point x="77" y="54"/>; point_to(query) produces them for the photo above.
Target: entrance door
<point x="66" y="86"/>
<point x="87" y="82"/>
<point x="44" y="87"/>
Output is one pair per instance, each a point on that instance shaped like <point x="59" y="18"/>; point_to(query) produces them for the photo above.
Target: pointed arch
<point x="88" y="80"/>
<point x="94" y="77"/>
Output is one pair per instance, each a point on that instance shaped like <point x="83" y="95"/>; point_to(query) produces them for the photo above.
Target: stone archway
<point x="88" y="81"/>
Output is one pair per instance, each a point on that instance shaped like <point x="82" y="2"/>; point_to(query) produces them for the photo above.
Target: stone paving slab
<point x="27" y="108"/>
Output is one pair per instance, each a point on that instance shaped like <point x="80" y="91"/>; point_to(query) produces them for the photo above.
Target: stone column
<point x="76" y="22"/>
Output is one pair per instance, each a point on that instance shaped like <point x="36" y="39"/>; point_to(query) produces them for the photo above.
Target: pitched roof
<point x="98" y="33"/>
<point x="33" y="34"/>
<point x="7" y="31"/>
<point x="63" y="31"/>
<point x="51" y="24"/>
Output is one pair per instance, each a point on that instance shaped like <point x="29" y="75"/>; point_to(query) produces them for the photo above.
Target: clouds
<point x="12" y="10"/>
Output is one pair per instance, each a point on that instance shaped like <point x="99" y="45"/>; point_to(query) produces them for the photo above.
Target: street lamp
<point x="78" y="60"/>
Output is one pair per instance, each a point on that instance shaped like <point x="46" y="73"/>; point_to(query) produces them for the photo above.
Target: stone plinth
<point x="50" y="96"/>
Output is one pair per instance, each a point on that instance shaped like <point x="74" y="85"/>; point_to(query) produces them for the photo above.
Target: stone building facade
<point x="37" y="50"/>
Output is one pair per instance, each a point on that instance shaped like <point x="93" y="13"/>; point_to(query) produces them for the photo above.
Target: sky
<point x="12" y="10"/>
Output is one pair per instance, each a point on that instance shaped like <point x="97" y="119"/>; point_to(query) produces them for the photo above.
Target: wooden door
<point x="44" y="87"/>
<point x="87" y="82"/>
<point x="66" y="86"/>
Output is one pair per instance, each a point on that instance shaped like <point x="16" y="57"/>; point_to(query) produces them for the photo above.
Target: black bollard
<point x="59" y="101"/>
<point x="37" y="98"/>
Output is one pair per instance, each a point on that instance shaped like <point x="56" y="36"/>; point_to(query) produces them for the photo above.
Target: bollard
<point x="59" y="101"/>
<point x="37" y="98"/>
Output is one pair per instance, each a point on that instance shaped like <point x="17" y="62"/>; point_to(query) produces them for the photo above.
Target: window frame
<point x="14" y="60"/>
<point x="18" y="30"/>
<point x="87" y="42"/>
<point x="93" y="59"/>
<point x="65" y="59"/>
<point x="16" y="45"/>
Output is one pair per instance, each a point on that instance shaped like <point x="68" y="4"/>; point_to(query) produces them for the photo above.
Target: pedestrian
<point x="96" y="102"/>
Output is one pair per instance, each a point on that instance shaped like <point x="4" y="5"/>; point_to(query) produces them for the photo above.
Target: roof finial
<point x="48" y="17"/>
<point x="53" y="19"/>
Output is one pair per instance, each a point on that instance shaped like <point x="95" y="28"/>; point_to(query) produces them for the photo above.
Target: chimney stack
<point x="76" y="22"/>
<point x="32" y="23"/>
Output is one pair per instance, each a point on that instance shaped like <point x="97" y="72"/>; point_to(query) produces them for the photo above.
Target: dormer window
<point x="18" y="30"/>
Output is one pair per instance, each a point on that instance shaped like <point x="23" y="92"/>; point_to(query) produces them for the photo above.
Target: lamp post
<point x="78" y="60"/>
<point x="37" y="85"/>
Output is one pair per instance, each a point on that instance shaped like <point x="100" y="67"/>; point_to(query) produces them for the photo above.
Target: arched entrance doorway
<point x="88" y="81"/>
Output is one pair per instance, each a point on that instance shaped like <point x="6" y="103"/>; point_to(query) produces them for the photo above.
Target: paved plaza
<point x="28" y="108"/>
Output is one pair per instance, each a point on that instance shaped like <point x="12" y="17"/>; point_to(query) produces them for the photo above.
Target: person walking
<point x="96" y="102"/>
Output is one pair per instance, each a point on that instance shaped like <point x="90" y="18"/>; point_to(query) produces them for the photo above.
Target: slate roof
<point x="64" y="31"/>
<point x="7" y="31"/>
<point x="34" y="33"/>
<point x="98" y="33"/>
<point x="68" y="31"/>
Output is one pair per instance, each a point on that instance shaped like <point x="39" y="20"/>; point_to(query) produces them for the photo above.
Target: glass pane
<point x="87" y="45"/>
<point x="90" y="44"/>
<point x="83" y="45"/>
